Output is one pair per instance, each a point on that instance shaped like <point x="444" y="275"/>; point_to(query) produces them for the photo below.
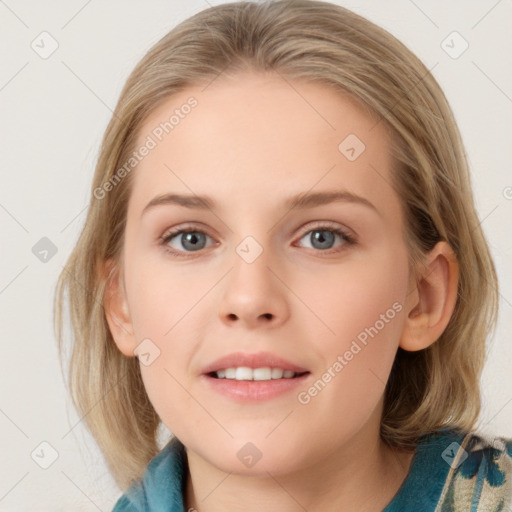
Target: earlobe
<point x="431" y="302"/>
<point x="116" y="310"/>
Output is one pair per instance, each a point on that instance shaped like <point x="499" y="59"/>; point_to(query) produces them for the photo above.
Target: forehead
<point x="260" y="136"/>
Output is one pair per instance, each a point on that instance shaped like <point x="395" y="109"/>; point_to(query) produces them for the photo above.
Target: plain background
<point x="54" y="113"/>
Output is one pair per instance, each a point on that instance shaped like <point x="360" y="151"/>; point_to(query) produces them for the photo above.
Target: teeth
<point x="246" y="373"/>
<point x="243" y="373"/>
<point x="230" y="373"/>
<point x="262" y="374"/>
<point x="277" y="373"/>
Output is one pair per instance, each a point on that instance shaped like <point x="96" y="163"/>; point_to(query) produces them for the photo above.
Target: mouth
<point x="253" y="377"/>
<point x="252" y="366"/>
<point x="263" y="374"/>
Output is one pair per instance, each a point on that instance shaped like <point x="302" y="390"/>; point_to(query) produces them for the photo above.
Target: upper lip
<point x="257" y="360"/>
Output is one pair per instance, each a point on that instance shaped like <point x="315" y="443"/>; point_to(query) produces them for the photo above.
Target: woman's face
<point x="256" y="276"/>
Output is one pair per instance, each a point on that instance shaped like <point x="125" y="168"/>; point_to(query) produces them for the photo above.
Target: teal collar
<point x="422" y="488"/>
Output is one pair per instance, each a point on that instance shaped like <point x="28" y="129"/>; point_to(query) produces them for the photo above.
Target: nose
<point x="254" y="295"/>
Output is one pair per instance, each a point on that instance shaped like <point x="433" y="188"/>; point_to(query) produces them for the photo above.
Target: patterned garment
<point x="482" y="481"/>
<point x="458" y="472"/>
<point x="451" y="471"/>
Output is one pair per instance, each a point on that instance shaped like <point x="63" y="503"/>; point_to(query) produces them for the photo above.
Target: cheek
<point x="355" y="298"/>
<point x="164" y="308"/>
<point x="161" y="295"/>
<point x="364" y="311"/>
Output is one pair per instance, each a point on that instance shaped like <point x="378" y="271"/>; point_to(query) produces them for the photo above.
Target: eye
<point x="323" y="236"/>
<point x="190" y="239"/>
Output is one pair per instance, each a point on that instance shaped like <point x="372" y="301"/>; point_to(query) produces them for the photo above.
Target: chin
<point x="255" y="455"/>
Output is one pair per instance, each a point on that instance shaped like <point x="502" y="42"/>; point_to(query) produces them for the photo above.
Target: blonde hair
<point x="434" y="388"/>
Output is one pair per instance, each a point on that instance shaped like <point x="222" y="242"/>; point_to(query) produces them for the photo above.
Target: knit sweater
<point x="451" y="471"/>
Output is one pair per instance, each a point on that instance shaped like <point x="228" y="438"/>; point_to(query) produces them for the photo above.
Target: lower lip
<point x="254" y="390"/>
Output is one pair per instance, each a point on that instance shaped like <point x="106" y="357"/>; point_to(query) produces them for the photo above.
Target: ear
<point x="116" y="309"/>
<point x="431" y="299"/>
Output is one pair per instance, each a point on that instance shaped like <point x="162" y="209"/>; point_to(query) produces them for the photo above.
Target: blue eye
<point x="194" y="240"/>
<point x="191" y="240"/>
<point x="323" y="237"/>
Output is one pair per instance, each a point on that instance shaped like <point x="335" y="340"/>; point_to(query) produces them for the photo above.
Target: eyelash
<point x="165" y="239"/>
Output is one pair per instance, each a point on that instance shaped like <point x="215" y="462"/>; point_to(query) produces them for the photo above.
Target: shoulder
<point x="160" y="488"/>
<point x="480" y="474"/>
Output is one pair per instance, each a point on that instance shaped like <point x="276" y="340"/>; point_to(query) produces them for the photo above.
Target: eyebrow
<point x="299" y="201"/>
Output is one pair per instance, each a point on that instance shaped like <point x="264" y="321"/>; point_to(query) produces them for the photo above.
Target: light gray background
<point x="54" y="112"/>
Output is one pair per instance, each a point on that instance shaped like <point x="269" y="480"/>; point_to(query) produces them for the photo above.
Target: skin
<point x="253" y="141"/>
